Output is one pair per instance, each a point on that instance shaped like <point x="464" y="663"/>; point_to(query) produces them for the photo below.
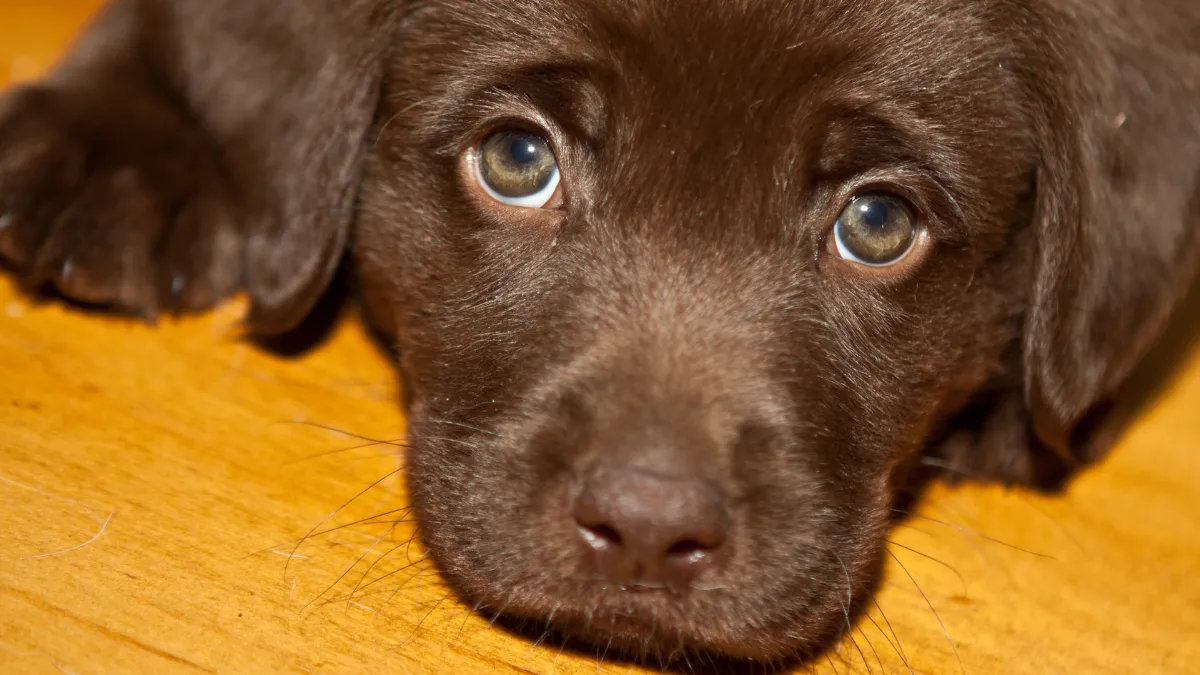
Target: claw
<point x="178" y="286"/>
<point x="174" y="300"/>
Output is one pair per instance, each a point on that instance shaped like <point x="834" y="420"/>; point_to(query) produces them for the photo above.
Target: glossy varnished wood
<point x="154" y="482"/>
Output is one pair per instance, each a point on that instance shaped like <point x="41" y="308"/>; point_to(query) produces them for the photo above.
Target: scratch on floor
<point x="89" y="542"/>
<point x="92" y="512"/>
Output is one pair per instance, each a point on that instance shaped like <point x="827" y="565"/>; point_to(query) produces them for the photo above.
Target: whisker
<point x="938" y="463"/>
<point x="545" y="631"/>
<point x="898" y="646"/>
<point x="931" y="609"/>
<point x="406" y="566"/>
<point x="416" y="575"/>
<point x="383" y="556"/>
<point x="351" y="567"/>
<point x="496" y="616"/>
<point x="1031" y="503"/>
<point x="373" y="444"/>
<point x="362" y="521"/>
<point x="846" y="609"/>
<point x="351" y="434"/>
<point x="417" y="628"/>
<point x="368" y="521"/>
<point x="969" y="541"/>
<point x="961" y="580"/>
<point x="870" y="644"/>
<point x="474" y="611"/>
<point x="334" y="513"/>
<point x="562" y="645"/>
<point x="973" y="532"/>
<point x="977" y="546"/>
<point x="600" y="661"/>
<point x="684" y="652"/>
<point x="850" y="668"/>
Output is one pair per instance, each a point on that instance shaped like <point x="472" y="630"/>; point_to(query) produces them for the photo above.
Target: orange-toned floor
<point x="152" y="481"/>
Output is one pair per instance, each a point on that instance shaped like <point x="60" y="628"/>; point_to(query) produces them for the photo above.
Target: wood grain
<point x="154" y="483"/>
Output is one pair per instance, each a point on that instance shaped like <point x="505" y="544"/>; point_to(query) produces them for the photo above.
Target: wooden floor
<point x="154" y="484"/>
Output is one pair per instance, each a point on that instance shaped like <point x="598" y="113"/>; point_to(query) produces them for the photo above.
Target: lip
<point x="640" y="624"/>
<point x="641" y="636"/>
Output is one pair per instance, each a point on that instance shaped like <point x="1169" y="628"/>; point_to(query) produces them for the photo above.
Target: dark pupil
<point x="516" y="163"/>
<point x="877" y="229"/>
<point x="875" y="213"/>
<point x="523" y="151"/>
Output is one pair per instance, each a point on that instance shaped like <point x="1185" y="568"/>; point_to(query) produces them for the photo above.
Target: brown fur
<point x="683" y="307"/>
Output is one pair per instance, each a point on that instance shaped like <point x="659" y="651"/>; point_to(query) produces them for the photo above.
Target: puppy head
<point x="678" y="288"/>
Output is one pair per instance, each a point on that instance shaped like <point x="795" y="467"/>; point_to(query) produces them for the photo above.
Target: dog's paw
<point x="115" y="199"/>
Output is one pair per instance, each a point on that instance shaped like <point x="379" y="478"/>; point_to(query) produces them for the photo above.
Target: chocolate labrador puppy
<point x="681" y="290"/>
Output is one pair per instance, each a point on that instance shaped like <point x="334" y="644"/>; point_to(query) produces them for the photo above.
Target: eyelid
<point x="510" y="113"/>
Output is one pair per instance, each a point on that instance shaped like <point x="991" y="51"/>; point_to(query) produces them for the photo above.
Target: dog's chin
<point x="658" y="627"/>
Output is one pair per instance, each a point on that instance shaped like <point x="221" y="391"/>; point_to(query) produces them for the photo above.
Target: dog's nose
<point x="644" y="528"/>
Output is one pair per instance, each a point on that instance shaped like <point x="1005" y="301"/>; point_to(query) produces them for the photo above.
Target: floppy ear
<point x="185" y="149"/>
<point x="1118" y="232"/>
<point x="289" y="89"/>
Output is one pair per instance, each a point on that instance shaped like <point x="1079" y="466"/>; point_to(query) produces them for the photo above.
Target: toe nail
<point x="178" y="284"/>
<point x="68" y="267"/>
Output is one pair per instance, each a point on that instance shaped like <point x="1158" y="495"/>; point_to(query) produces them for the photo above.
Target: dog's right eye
<point x="517" y="168"/>
<point x="876" y="230"/>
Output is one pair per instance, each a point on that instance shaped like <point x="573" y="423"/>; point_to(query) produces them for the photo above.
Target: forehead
<point x="805" y="89"/>
<point x="921" y="65"/>
<point x="712" y="46"/>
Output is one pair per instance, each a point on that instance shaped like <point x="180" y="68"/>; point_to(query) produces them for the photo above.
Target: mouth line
<point x="633" y="614"/>
<point x="641" y="638"/>
<point x="640" y="586"/>
<point x="644" y="623"/>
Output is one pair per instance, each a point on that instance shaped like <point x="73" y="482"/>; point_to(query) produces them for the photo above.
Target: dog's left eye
<point x="517" y="168"/>
<point x="876" y="230"/>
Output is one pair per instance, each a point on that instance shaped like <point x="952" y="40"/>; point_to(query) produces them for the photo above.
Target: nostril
<point x="600" y="536"/>
<point x="687" y="549"/>
<point x="645" y="527"/>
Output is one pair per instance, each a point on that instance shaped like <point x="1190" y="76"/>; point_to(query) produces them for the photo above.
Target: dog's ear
<point x="1118" y="238"/>
<point x="302" y="79"/>
<point x="186" y="149"/>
